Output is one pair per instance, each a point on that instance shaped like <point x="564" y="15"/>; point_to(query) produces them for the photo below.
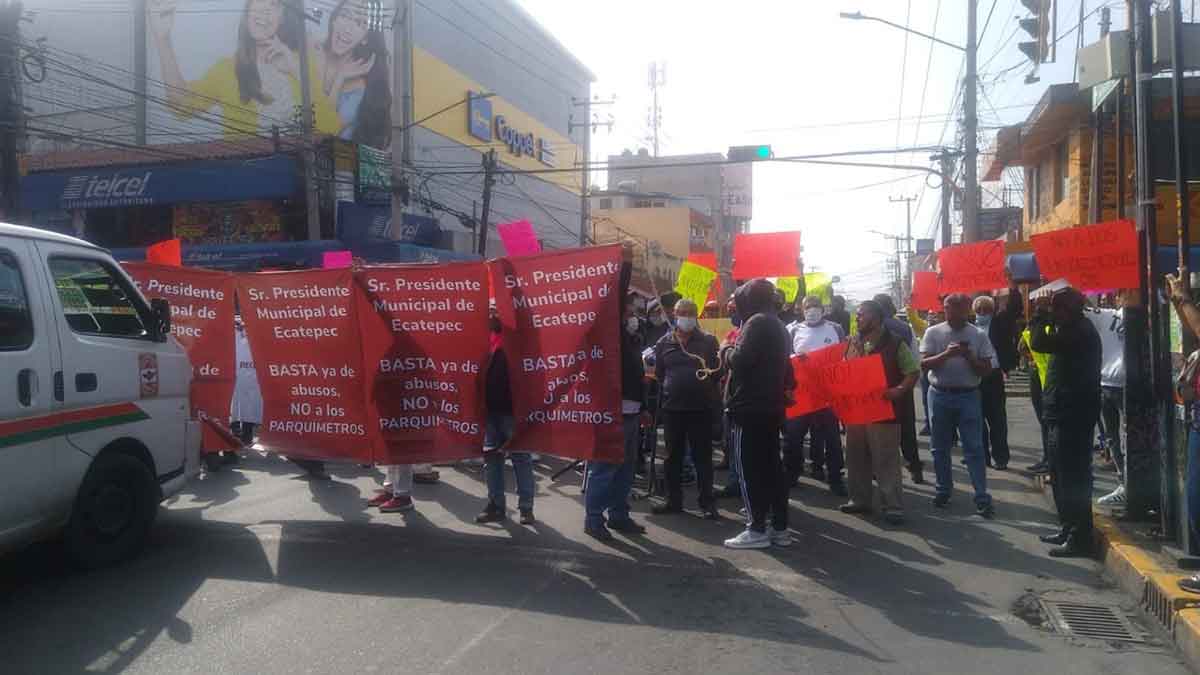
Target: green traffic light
<point x="763" y="152"/>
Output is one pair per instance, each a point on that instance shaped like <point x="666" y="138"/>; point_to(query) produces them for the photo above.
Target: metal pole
<point x="11" y="117"/>
<point x="1182" y="234"/>
<point x="947" y="195"/>
<point x="1096" y="198"/>
<point x="139" y="71"/>
<point x="402" y="83"/>
<point x="971" y="130"/>
<point x="311" y="194"/>
<point x="585" y="206"/>
<point x="489" y="166"/>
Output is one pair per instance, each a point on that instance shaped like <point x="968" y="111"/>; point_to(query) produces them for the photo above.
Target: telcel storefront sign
<point x="100" y="191"/>
<point x="485" y="126"/>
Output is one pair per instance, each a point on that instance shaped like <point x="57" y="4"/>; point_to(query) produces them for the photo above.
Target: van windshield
<point x="94" y="299"/>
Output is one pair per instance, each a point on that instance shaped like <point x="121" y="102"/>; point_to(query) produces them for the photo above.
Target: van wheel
<point x="113" y="512"/>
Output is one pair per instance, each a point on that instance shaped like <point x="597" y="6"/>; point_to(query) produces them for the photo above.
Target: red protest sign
<point x="202" y="321"/>
<point x="519" y="238"/>
<point x="856" y="390"/>
<point x="561" y="319"/>
<point x="1092" y="257"/>
<point x="425" y="336"/>
<point x="303" y="332"/>
<point x="810" y="394"/>
<point x="925" y="292"/>
<point x="766" y="254"/>
<point x="971" y="267"/>
<point x="165" y="253"/>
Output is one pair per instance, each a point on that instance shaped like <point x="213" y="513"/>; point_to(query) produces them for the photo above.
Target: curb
<point x="1141" y="574"/>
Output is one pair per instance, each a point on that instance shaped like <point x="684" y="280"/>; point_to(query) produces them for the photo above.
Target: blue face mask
<point x="983" y="320"/>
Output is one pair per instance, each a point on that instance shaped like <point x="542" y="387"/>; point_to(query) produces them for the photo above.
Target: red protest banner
<point x="810" y="394"/>
<point x="202" y="321"/>
<point x="425" y="335"/>
<point x="166" y="252"/>
<point x="1092" y="257"/>
<point x="560" y="318"/>
<point x="925" y="292"/>
<point x="972" y="267"/>
<point x="766" y="254"/>
<point x="856" y="390"/>
<point x="303" y="332"/>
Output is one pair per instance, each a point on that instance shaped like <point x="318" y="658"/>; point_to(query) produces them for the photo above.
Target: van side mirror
<point x="161" y="311"/>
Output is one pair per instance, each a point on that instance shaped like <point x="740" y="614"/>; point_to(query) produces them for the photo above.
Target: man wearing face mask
<point x="839" y="315"/>
<point x="809" y="334"/>
<point x="687" y="406"/>
<point x="1001" y="328"/>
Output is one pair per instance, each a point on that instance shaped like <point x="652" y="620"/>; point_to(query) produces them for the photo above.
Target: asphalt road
<point x="253" y="570"/>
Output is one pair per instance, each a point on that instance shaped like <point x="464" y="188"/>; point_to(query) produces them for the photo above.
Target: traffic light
<point x="749" y="153"/>
<point x="1041" y="49"/>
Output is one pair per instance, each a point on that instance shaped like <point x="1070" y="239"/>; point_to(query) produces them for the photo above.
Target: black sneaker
<point x="710" y="512"/>
<point x="986" y="510"/>
<point x="917" y="474"/>
<point x="941" y="501"/>
<point x="626" y="526"/>
<point x="527" y="517"/>
<point x="491" y="514"/>
<point x="600" y="533"/>
<point x="1040" y="467"/>
<point x="664" y="509"/>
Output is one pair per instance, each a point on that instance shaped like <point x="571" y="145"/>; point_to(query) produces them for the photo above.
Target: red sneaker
<point x="397" y="505"/>
<point x="381" y="497"/>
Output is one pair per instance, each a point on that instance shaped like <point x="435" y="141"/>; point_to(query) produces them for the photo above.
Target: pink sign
<point x="332" y="260"/>
<point x="519" y="238"/>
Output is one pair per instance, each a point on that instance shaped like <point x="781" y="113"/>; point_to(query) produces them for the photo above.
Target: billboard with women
<point x="232" y="67"/>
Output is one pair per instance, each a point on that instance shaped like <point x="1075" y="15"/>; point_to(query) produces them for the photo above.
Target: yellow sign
<point x="694" y="281"/>
<point x="790" y="287"/>
<point x="820" y="285"/>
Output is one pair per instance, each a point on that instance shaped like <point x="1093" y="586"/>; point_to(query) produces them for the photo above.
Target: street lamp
<point x="970" y="115"/>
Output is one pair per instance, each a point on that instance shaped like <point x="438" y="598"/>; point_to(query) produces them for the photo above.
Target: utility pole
<point x="139" y="71"/>
<point x="489" y="179"/>
<point x="11" y="116"/>
<point x="1183" y="243"/>
<point x="908" y="241"/>
<point x="657" y="78"/>
<point x="970" y="207"/>
<point x="311" y="194"/>
<point x="402" y="84"/>
<point x="945" y="160"/>
<point x="589" y="126"/>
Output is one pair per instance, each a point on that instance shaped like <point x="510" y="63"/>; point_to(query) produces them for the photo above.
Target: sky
<point x="793" y="74"/>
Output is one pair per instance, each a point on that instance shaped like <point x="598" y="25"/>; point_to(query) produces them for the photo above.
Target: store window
<point x="16" y="320"/>
<point x="1062" y="184"/>
<point x="1034" y="200"/>
<point x="98" y="301"/>
<point x="606" y="203"/>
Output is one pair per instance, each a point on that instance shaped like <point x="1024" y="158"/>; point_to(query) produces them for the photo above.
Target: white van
<point x="95" y="427"/>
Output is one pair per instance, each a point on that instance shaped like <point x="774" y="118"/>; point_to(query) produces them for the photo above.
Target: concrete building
<point x="661" y="229"/>
<point x="701" y="183"/>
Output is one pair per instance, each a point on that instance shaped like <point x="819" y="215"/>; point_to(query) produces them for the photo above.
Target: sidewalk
<point x="1142" y="569"/>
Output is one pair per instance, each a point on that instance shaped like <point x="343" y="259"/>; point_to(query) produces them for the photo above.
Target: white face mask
<point x="632" y="324"/>
<point x="685" y="323"/>
<point x="813" y="315"/>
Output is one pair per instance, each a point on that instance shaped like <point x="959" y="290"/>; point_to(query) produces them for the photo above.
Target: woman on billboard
<point x="258" y="87"/>
<point x="355" y="72"/>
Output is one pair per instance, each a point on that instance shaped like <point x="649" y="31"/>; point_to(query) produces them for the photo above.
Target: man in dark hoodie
<point x="759" y="389"/>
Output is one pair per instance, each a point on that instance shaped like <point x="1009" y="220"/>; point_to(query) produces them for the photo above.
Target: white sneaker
<point x="750" y="539"/>
<point x="781" y="538"/>
<point x="1114" y="498"/>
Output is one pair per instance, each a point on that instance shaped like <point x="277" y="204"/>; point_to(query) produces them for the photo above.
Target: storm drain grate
<point x="1101" y="622"/>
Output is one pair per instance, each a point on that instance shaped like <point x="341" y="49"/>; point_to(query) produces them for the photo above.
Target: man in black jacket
<point x="687" y="406"/>
<point x="760" y="386"/>
<point x="1000" y="324"/>
<point x="1070" y="409"/>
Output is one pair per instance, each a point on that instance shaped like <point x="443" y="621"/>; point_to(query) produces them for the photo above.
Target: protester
<point x="1000" y="326"/>
<point x="712" y="310"/>
<point x="1109" y="325"/>
<point x="957" y="356"/>
<point x="661" y="318"/>
<point x="838" y="313"/>
<point x="1189" y="316"/>
<point x="919" y="325"/>
<point x="609" y="483"/>
<point x="873" y="450"/>
<point x="498" y="430"/>
<point x="247" y="404"/>
<point x="1038" y="363"/>
<point x="396" y="495"/>
<point x="787" y="310"/>
<point x="1070" y="408"/>
<point x="760" y="387"/>
<point x="907" y="406"/>
<point x="687" y="406"/>
<point x="809" y="334"/>
<point x="733" y="483"/>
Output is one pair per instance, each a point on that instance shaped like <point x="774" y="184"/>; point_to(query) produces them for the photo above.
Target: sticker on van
<point x="148" y="374"/>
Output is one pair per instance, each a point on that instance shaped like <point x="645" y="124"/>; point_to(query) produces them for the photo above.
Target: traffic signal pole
<point x="970" y="207"/>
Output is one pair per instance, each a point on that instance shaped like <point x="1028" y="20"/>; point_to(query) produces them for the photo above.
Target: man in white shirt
<point x="1110" y="324"/>
<point x="808" y="334"/>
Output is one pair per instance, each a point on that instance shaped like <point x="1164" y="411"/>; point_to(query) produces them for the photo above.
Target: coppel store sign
<point x="488" y="127"/>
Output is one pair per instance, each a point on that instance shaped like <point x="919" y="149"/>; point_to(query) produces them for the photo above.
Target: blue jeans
<point x="608" y="484"/>
<point x="497" y="431"/>
<point x="961" y="411"/>
<point x="1192" y="485"/>
<point x="925" y="398"/>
